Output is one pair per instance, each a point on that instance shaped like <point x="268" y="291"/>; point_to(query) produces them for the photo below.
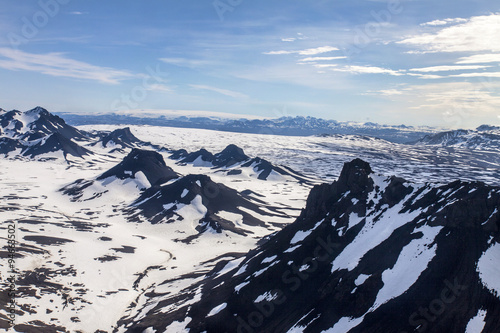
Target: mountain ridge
<point x="347" y="265"/>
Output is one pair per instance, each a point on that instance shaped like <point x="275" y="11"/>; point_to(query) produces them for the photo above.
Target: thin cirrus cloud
<point x="488" y="74"/>
<point x="444" y="22"/>
<point x="230" y="93"/>
<point x="447" y="68"/>
<point x="322" y="58"/>
<point x="473" y="97"/>
<point x="480" y="59"/>
<point x="306" y="52"/>
<point x="390" y="92"/>
<point x="160" y="88"/>
<point x="478" y="34"/>
<point x="56" y="64"/>
<point x="366" y="70"/>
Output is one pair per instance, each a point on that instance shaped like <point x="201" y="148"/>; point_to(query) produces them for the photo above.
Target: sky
<point x="413" y="62"/>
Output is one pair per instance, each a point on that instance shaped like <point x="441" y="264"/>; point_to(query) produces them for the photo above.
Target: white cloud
<point x="446" y="68"/>
<point x="478" y="34"/>
<point x="461" y="75"/>
<point x="485" y="74"/>
<point x="56" y="64"/>
<point x="454" y="103"/>
<point x="300" y="36"/>
<point x="385" y="92"/>
<point x="325" y="65"/>
<point x="159" y="87"/>
<point x="322" y="58"/>
<point x="185" y="62"/>
<point x="312" y="51"/>
<point x="390" y="92"/>
<point x="425" y="76"/>
<point x="480" y="59"/>
<point x="367" y="70"/>
<point x="444" y="22"/>
<point x="230" y="93"/>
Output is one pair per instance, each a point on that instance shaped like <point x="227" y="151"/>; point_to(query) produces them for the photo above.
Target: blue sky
<point x="416" y="62"/>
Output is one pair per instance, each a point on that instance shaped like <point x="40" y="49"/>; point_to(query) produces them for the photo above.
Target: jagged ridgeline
<point x="367" y="254"/>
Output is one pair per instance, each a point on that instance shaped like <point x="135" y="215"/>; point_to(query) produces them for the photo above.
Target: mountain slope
<point x="367" y="254"/>
<point x="233" y="161"/>
<point x="121" y="137"/>
<point x="148" y="162"/>
<point x="40" y="134"/>
<point x="139" y="170"/>
<point x="198" y="198"/>
<point x="35" y="124"/>
<point x="8" y="145"/>
<point x="53" y="143"/>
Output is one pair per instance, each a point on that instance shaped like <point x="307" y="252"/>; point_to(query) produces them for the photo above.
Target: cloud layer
<point x="57" y="64"/>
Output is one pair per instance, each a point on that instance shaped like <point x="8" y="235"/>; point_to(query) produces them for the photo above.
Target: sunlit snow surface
<point x="324" y="157"/>
<point x="95" y="263"/>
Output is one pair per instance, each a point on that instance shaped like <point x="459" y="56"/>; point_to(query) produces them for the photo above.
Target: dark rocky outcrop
<point x="231" y="155"/>
<point x="149" y="162"/>
<point x="122" y="137"/>
<point x="214" y="198"/>
<point x="53" y="143"/>
<point x="367" y="254"/>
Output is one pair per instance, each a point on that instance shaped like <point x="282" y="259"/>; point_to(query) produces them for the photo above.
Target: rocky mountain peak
<point x="122" y="137"/>
<point x="148" y="162"/>
<point x="354" y="176"/>
<point x="232" y="154"/>
<point x="38" y="110"/>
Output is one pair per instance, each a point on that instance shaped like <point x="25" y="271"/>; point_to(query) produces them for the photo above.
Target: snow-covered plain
<point x="88" y="262"/>
<point x="91" y="263"/>
<point x="324" y="156"/>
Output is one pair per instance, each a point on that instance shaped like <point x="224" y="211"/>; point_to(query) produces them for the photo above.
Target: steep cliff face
<point x="367" y="254"/>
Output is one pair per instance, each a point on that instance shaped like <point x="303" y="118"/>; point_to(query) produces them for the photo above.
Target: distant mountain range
<point x="484" y="137"/>
<point x="292" y="126"/>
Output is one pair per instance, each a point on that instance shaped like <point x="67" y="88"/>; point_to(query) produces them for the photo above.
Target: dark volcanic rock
<point x="122" y="137"/>
<point x="233" y="158"/>
<point x="367" y="254"/>
<point x="8" y="119"/>
<point x="8" y="145"/>
<point x="201" y="155"/>
<point x="213" y="197"/>
<point x="53" y="143"/>
<point x="149" y="162"/>
<point x="231" y="155"/>
<point x="178" y="154"/>
<point x="264" y="168"/>
<point x="38" y="132"/>
<point x="47" y="123"/>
